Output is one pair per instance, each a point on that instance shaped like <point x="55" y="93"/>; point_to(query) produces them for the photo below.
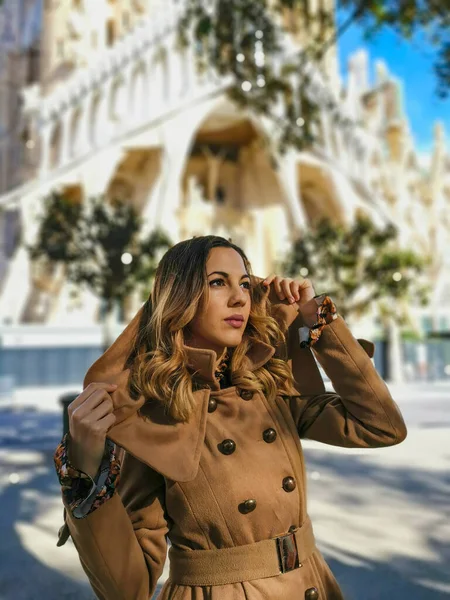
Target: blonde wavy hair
<point x="158" y="360"/>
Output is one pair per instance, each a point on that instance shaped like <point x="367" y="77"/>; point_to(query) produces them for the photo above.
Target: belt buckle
<point x="287" y="553"/>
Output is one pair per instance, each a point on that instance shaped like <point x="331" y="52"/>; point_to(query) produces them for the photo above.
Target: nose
<point x="238" y="296"/>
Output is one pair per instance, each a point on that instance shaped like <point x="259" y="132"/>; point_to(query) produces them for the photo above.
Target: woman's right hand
<point x="90" y="418"/>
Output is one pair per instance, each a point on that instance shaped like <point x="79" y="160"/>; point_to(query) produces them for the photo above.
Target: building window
<point x="33" y="59"/>
<point x="110" y="32"/>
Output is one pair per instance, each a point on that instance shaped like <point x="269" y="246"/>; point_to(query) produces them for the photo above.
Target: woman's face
<point x="229" y="296"/>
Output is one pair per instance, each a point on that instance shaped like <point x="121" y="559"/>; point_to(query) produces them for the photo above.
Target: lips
<point x="235" y="318"/>
<point x="235" y="321"/>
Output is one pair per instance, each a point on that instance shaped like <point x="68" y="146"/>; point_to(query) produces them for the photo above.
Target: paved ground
<point x="382" y="517"/>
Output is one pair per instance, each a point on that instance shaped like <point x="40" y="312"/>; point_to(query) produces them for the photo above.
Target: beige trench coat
<point x="178" y="481"/>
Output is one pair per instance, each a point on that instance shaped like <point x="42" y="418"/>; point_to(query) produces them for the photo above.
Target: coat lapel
<point x="172" y="448"/>
<point x="169" y="447"/>
<point x="142" y="427"/>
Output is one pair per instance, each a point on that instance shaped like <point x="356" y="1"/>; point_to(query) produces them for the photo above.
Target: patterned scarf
<point x="223" y="373"/>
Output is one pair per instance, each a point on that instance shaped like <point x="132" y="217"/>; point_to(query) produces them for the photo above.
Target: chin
<point x="233" y="340"/>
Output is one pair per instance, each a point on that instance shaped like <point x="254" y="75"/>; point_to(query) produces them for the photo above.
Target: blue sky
<point x="410" y="61"/>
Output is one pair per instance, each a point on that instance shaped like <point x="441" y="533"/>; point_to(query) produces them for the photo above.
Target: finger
<point x="286" y="287"/>
<point x="88" y="421"/>
<point x="268" y="280"/>
<point x="305" y="283"/>
<point x="108" y="421"/>
<point x="103" y="409"/>
<point x="277" y="285"/>
<point x="97" y="427"/>
<point x="90" y="404"/>
<point x="89" y="389"/>
<point x="295" y="285"/>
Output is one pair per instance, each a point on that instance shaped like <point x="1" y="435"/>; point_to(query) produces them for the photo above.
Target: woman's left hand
<point x="295" y="291"/>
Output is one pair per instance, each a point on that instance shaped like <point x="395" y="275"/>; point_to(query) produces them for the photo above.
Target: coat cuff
<point x="81" y="493"/>
<point x="326" y="312"/>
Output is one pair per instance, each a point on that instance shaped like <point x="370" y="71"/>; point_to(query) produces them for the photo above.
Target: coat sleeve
<point x="122" y="545"/>
<point x="361" y="412"/>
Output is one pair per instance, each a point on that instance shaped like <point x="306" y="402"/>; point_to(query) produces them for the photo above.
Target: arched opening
<point x="111" y="32"/>
<point x="230" y="188"/>
<point x="121" y="188"/>
<point x="318" y="195"/>
<point x="135" y="176"/>
<point x="160" y="88"/>
<point x="55" y="146"/>
<point x="94" y="127"/>
<point x="185" y="63"/>
<point x="75" y="134"/>
<point x="28" y="150"/>
<point x="117" y="103"/>
<point x="138" y="93"/>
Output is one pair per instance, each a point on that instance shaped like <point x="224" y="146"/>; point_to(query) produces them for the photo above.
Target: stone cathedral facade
<point x="96" y="97"/>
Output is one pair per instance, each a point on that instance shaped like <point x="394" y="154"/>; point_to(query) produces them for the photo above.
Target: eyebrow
<point x="226" y="274"/>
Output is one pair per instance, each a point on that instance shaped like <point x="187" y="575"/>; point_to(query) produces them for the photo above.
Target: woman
<point x="207" y="401"/>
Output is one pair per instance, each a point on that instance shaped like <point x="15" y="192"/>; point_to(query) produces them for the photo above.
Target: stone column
<point x="325" y="120"/>
<point x="174" y="161"/>
<point x="395" y="358"/>
<point x="288" y="176"/>
<point x="341" y="156"/>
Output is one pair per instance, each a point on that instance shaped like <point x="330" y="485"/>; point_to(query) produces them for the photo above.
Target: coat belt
<point x="267" y="558"/>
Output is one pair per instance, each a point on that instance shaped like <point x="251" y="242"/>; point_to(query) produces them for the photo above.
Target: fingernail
<point x="291" y="299"/>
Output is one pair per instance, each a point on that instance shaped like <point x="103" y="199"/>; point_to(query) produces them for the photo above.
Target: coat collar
<point x="203" y="362"/>
<point x="142" y="428"/>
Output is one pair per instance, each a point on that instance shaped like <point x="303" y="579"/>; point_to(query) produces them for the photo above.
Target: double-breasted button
<point x="212" y="405"/>
<point x="246" y="394"/>
<point x="247" y="507"/>
<point x="227" y="446"/>
<point x="311" y="594"/>
<point x="289" y="484"/>
<point x="269" y="435"/>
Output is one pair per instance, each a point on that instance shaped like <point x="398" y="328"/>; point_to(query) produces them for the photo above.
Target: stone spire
<point x="48" y="43"/>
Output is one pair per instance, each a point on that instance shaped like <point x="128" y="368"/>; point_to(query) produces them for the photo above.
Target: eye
<point x="211" y="283"/>
<point x="247" y="285"/>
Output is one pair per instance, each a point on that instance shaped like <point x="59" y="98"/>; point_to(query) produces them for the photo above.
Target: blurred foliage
<point x="409" y="18"/>
<point x="90" y="238"/>
<point x="245" y="40"/>
<point x="360" y="266"/>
